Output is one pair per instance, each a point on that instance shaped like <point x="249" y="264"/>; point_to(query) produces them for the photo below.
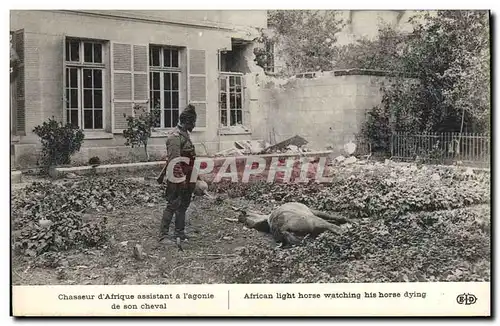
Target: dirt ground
<point x="199" y="262"/>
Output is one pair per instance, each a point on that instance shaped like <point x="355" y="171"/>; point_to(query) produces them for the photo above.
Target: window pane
<point x="175" y="117"/>
<point x="87" y="98"/>
<point x="98" y="99"/>
<point x="87" y="119"/>
<point x="166" y="58"/>
<point x="175" y="81"/>
<point x="67" y="98"/>
<point x="238" y="101"/>
<point x="223" y="100"/>
<point x="231" y="81"/>
<point x="168" y="101"/>
<point x="175" y="58"/>
<point x="68" y="116"/>
<point x="156" y="99"/>
<point x="232" y="101"/>
<point x="237" y="80"/>
<point x="168" y="118"/>
<point x="97" y="78"/>
<point x="98" y="119"/>
<point x="97" y="53"/>
<point x="233" y="118"/>
<point x="88" y="52"/>
<point x="223" y="85"/>
<point x="74" y="98"/>
<point x="167" y="81"/>
<point x="67" y="55"/>
<point x="175" y="100"/>
<point x="73" y="77"/>
<point x="67" y="78"/>
<point x="75" y="50"/>
<point x="156" y="81"/>
<point x="74" y="118"/>
<point x="154" y="56"/>
<point x="87" y="78"/>
<point x="239" y="116"/>
<point x="223" y="117"/>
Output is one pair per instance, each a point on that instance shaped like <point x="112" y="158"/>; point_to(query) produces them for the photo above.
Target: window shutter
<point x="141" y="80"/>
<point x="20" y="84"/>
<point x="197" y="93"/>
<point x="64" y="98"/>
<point x="129" y="80"/>
<point x="121" y="85"/>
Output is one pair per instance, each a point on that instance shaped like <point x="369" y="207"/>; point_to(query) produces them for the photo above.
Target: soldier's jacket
<point x="179" y="144"/>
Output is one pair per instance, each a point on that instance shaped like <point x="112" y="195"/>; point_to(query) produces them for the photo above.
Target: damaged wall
<point x="327" y="110"/>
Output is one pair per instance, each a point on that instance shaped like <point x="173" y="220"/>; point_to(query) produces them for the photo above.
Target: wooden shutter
<point x="121" y="85"/>
<point x="64" y="98"/>
<point x="129" y="81"/>
<point x="20" y="84"/>
<point x="140" y="72"/>
<point x="197" y="94"/>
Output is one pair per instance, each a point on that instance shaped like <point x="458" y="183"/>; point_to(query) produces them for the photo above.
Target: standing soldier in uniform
<point x="179" y="194"/>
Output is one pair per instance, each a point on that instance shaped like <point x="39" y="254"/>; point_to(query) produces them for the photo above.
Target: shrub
<point x="59" y="142"/>
<point x="140" y="126"/>
<point x="94" y="161"/>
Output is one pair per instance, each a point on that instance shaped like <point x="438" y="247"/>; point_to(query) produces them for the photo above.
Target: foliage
<point x="303" y="38"/>
<point x="140" y="126"/>
<point x="94" y="160"/>
<point x="59" y="141"/>
<point x="52" y="217"/>
<point x="375" y="191"/>
<point x="449" y="54"/>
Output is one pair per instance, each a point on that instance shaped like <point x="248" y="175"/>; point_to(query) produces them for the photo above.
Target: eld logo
<point x="466" y="299"/>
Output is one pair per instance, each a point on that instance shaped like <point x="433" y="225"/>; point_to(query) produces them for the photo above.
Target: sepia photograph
<point x="250" y="147"/>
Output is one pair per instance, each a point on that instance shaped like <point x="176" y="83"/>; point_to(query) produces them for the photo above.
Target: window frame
<point x="80" y="66"/>
<point x="227" y="76"/>
<point x="161" y="69"/>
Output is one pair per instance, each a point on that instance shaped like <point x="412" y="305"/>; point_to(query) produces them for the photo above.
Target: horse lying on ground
<point x="292" y="221"/>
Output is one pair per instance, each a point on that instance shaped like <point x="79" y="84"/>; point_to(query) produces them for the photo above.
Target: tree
<point x="303" y="38"/>
<point x="140" y="127"/>
<point x="448" y="53"/>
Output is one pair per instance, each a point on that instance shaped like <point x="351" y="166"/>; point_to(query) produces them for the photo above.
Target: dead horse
<point x="292" y="220"/>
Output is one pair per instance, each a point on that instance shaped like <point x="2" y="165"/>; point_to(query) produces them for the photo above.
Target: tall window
<point x="84" y="84"/>
<point x="164" y="81"/>
<point x="231" y="99"/>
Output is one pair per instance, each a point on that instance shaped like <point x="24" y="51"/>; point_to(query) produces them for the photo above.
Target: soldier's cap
<point x="188" y="114"/>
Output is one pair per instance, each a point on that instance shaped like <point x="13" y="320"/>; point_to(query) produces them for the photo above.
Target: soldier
<point x="178" y="194"/>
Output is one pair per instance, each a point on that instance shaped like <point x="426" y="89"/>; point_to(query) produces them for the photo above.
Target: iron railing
<point x="442" y="148"/>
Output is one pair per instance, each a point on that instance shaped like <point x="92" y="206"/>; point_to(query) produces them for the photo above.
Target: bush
<point x="94" y="161"/>
<point x="140" y="126"/>
<point x="59" y="142"/>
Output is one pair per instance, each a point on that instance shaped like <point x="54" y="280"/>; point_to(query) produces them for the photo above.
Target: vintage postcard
<point x="250" y="162"/>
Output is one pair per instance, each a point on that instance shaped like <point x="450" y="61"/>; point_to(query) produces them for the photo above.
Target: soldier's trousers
<point x="178" y="200"/>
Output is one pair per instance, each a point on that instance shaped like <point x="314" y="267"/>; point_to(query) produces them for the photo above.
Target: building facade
<point x="89" y="68"/>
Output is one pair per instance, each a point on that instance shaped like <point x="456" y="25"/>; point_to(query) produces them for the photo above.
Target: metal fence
<point x="442" y="148"/>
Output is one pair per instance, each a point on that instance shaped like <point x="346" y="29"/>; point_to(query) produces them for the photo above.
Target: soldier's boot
<point x="165" y="223"/>
<point x="180" y="225"/>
